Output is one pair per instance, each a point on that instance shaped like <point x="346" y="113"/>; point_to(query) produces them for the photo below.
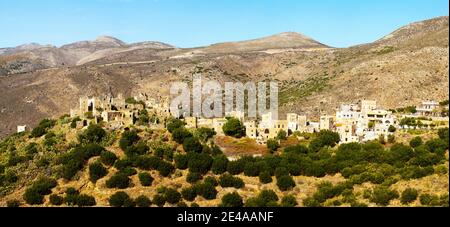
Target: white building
<point x="428" y="108"/>
<point x="21" y="128"/>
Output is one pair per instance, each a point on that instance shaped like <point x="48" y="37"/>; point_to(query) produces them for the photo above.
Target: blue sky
<point x="190" y="23"/>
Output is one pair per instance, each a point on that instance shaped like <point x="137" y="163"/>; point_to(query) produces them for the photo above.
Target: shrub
<point x="139" y="148"/>
<point x="159" y="200"/>
<point x="31" y="149"/>
<point x="437" y="146"/>
<point x="128" y="139"/>
<point x="211" y="180"/>
<point x="146" y="179"/>
<point x="165" y="168"/>
<point x="181" y="162"/>
<point x="71" y="191"/>
<point x="391" y="139"/>
<point x="93" y="134"/>
<point x="85" y="201"/>
<point x="297" y="149"/>
<point x="272" y="145"/>
<point x="146" y="162"/>
<point x="120" y="199"/>
<point x="34" y="195"/>
<point x="383" y="195"/>
<point x="180" y="134"/>
<point x="193" y="177"/>
<point x="409" y="195"/>
<point x="119" y="180"/>
<point x="282" y="135"/>
<point x="174" y="124"/>
<point x="92" y="150"/>
<point x="416" y="141"/>
<point x="285" y="183"/>
<point x="266" y="198"/>
<point x="392" y="129"/>
<point x="265" y="177"/>
<point x="42" y="128"/>
<point x="294" y="169"/>
<point x="200" y="163"/>
<point x="232" y="200"/>
<point x="128" y="171"/>
<point x="192" y="144"/>
<point x="13" y="203"/>
<point x="38" y="132"/>
<point x="429" y="200"/>
<point x="441" y="170"/>
<point x="172" y="196"/>
<point x="219" y="164"/>
<point x="108" y="158"/>
<point x="325" y="138"/>
<point x="96" y="172"/>
<point x="121" y="164"/>
<point x="443" y="200"/>
<point x="281" y="171"/>
<point x="233" y="127"/>
<point x="207" y="191"/>
<point x="311" y="202"/>
<point x="56" y="200"/>
<point x="142" y="201"/>
<point x="251" y="169"/>
<point x="204" y="134"/>
<point x="443" y="134"/>
<point x="228" y="180"/>
<point x="189" y="193"/>
<point x="289" y="201"/>
<point x="235" y="167"/>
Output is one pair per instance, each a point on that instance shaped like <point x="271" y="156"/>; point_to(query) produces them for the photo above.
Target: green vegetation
<point x="265" y="177"/>
<point x="34" y="195"/>
<point x="272" y="145"/>
<point x="75" y="160"/>
<point x="228" y="180"/>
<point x="146" y="179"/>
<point x="93" y="134"/>
<point x="266" y="198"/>
<point x="409" y="195"/>
<point x="108" y="158"/>
<point x="189" y="194"/>
<point x="119" y="180"/>
<point x="143" y="201"/>
<point x="121" y="199"/>
<point x="289" y="201"/>
<point x="56" y="200"/>
<point x="285" y="183"/>
<point x="382" y="195"/>
<point x="232" y="200"/>
<point x="42" y="128"/>
<point x="385" y="50"/>
<point x="151" y="150"/>
<point x="304" y="88"/>
<point x="234" y="127"/>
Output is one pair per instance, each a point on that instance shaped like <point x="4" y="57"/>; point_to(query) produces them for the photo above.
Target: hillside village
<point x="361" y="122"/>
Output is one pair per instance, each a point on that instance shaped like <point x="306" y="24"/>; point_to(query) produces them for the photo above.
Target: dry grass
<point x="243" y="146"/>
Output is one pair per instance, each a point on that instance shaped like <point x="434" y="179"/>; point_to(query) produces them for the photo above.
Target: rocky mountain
<point x="280" y="41"/>
<point x="32" y="57"/>
<point x="403" y="68"/>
